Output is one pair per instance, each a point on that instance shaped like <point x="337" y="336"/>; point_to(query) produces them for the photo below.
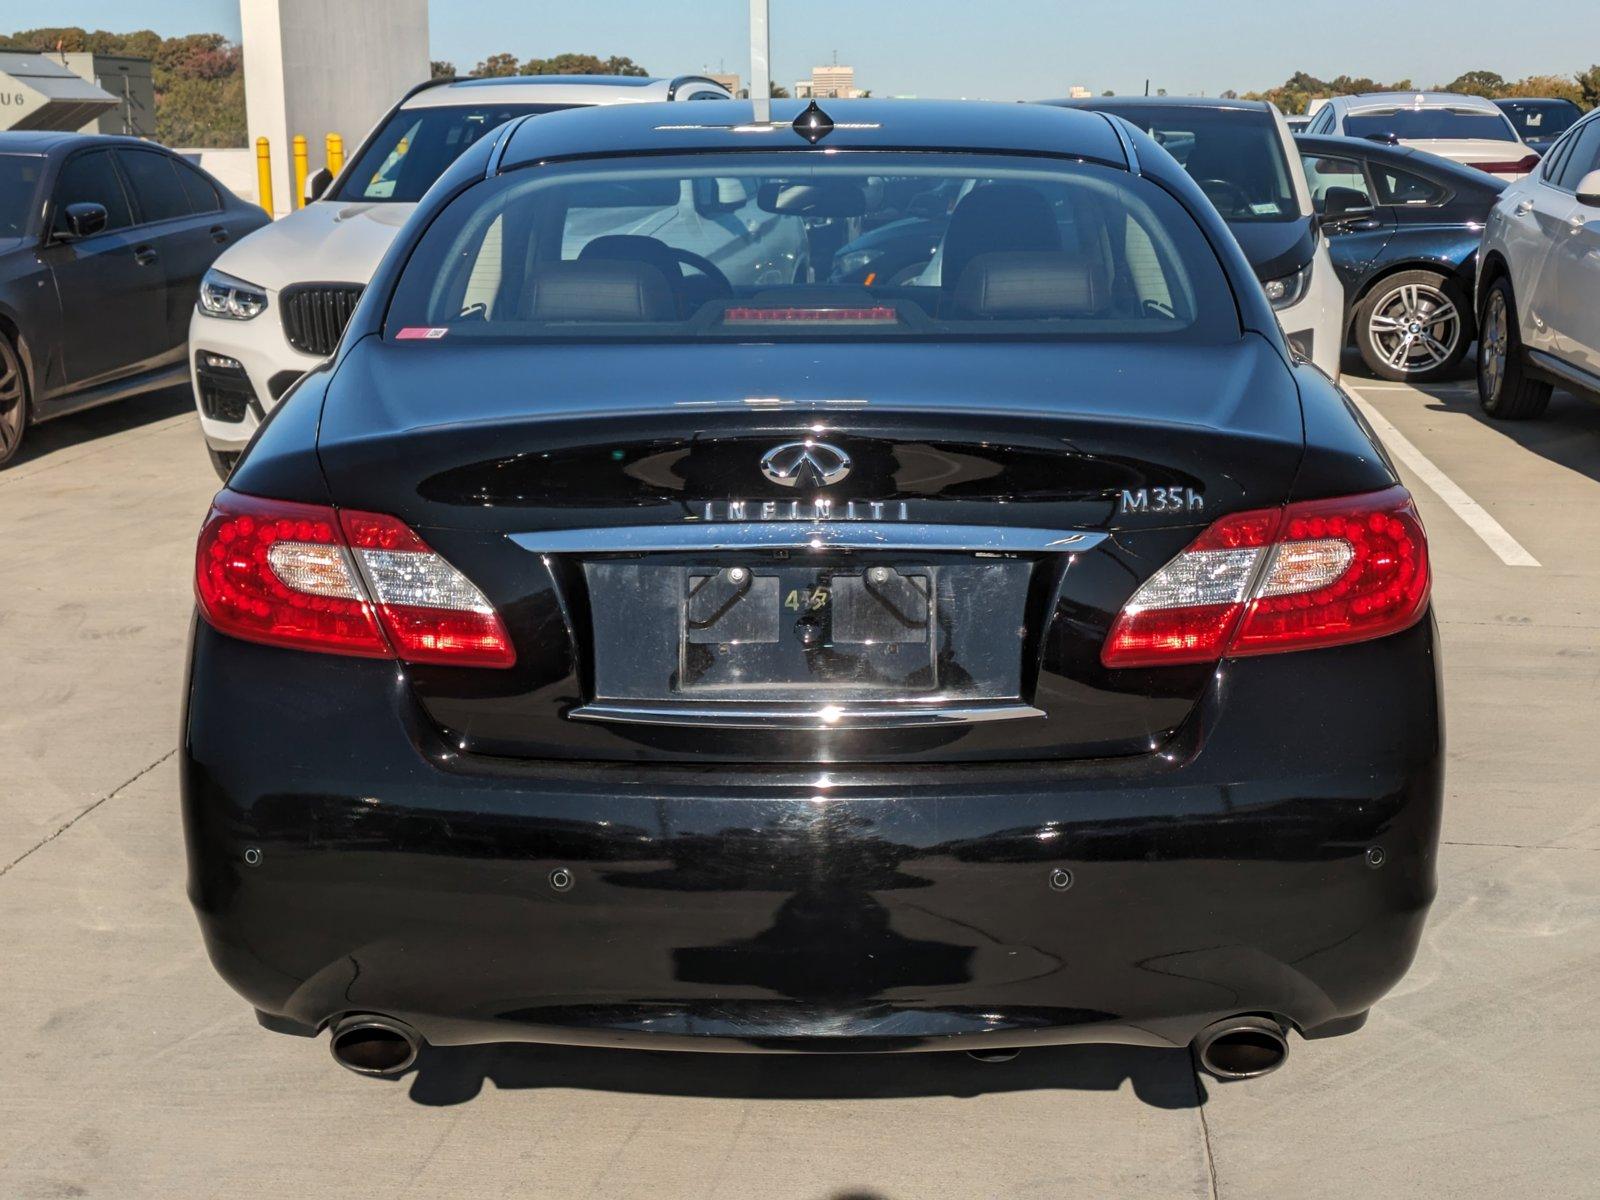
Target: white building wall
<point x="315" y="67"/>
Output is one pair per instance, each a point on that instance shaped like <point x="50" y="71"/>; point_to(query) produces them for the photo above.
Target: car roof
<point x="557" y="89"/>
<point x="43" y="141"/>
<point x="1099" y="102"/>
<point x="957" y="125"/>
<point x="1413" y="100"/>
<point x="1418" y="161"/>
<point x="1535" y="102"/>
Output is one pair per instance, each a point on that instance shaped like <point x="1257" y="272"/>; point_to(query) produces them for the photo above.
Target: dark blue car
<point x="618" y="647"/>
<point x="1403" y="228"/>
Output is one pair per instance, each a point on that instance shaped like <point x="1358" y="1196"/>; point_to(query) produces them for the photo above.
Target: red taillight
<point x="1521" y="167"/>
<point x="1317" y="573"/>
<point x="309" y="578"/>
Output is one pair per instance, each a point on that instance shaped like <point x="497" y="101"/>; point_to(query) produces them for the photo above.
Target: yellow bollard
<point x="334" y="145"/>
<point x="264" y="174"/>
<point x="299" y="170"/>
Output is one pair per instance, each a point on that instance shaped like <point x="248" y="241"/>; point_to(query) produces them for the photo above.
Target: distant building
<point x="1078" y="92"/>
<point x="831" y="83"/>
<point x="37" y="92"/>
<point x="732" y="82"/>
<point x="126" y="78"/>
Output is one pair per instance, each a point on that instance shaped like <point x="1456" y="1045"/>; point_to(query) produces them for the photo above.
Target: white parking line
<point x="1494" y="534"/>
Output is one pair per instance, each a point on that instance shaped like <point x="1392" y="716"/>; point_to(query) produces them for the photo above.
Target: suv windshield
<point x="19" y="180"/>
<point x="1541" y="118"/>
<point x="1429" y="123"/>
<point x="1234" y="154"/>
<point x="416" y="145"/>
<point x="742" y="247"/>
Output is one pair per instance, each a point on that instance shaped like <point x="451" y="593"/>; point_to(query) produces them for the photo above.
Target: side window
<point x="1323" y="172"/>
<point x="1582" y="158"/>
<point x="155" y="185"/>
<point x="1402" y="187"/>
<point x="91" y="179"/>
<point x="1550" y="169"/>
<point x="197" y="189"/>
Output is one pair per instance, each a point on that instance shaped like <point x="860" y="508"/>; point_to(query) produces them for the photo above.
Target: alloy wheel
<point x="1492" y="346"/>
<point x="1415" y="328"/>
<point x="13" y="405"/>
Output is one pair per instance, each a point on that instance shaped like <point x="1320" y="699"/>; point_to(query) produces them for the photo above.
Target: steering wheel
<point x="1218" y="190"/>
<point x="705" y="266"/>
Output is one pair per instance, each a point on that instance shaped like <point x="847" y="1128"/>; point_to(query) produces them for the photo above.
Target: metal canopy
<point x="37" y="92"/>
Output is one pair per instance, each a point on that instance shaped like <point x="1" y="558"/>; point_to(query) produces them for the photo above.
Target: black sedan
<point x="102" y="245"/>
<point x="1540" y="121"/>
<point x="1403" y="229"/>
<point x="607" y="649"/>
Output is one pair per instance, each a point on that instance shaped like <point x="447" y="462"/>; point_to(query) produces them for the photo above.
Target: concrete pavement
<point x="129" y="1070"/>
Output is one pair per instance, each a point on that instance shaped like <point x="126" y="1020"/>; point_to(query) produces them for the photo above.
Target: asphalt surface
<point x="128" y="1070"/>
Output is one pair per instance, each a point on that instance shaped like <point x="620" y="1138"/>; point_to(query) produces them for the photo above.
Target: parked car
<point x="1296" y="123"/>
<point x="1540" y="122"/>
<point x="1465" y="129"/>
<point x="1403" y="228"/>
<point x="1539" y="282"/>
<point x="275" y="306"/>
<point x="102" y="245"/>
<point x="1243" y="157"/>
<point x="1040" y="656"/>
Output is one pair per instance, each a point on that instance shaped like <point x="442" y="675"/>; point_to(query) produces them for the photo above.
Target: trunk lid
<point x="1006" y="498"/>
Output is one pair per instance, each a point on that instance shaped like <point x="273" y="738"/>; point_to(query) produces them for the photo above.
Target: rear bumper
<point x="341" y="860"/>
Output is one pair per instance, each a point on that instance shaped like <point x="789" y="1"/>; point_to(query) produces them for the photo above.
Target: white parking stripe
<point x="1494" y="534"/>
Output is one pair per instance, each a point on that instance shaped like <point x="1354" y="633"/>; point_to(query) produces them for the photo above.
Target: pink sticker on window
<point x="413" y="333"/>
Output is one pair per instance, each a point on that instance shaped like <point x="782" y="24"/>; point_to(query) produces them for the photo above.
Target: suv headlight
<point x="232" y="299"/>
<point x="1288" y="291"/>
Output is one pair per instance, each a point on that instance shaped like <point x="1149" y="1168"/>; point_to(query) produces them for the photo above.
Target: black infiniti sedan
<point x="103" y="241"/>
<point x="626" y="645"/>
<point x="1403" y="229"/>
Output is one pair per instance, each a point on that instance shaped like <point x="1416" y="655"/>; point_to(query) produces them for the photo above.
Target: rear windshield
<point x="19" y="180"/>
<point x="1541" y="118"/>
<point x="1236" y="155"/>
<point x="1429" y="123"/>
<point x="416" y="145"/>
<point x="761" y="247"/>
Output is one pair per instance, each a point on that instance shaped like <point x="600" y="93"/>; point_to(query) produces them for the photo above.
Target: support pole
<point x="334" y="147"/>
<point x="264" y="174"/>
<point x="760" y="63"/>
<point x="299" y="198"/>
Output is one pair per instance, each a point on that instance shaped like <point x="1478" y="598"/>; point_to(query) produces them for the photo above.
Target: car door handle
<point x="1523" y="208"/>
<point x="219" y="233"/>
<point x="1577" y="221"/>
<point x="145" y="255"/>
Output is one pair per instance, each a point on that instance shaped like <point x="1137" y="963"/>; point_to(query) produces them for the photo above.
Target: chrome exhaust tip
<point x="369" y="1044"/>
<point x="1241" y="1047"/>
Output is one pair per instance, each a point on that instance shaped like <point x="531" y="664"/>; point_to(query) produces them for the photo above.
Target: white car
<point x="275" y="304"/>
<point x="1245" y="160"/>
<point x="1464" y="129"/>
<point x="1539" y="282"/>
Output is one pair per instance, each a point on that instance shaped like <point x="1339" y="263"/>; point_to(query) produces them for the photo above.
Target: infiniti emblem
<point x="805" y="464"/>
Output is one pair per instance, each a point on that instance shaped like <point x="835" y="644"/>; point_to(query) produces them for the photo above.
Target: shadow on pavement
<point x="63" y="433"/>
<point x="1568" y="434"/>
<point x="455" y="1075"/>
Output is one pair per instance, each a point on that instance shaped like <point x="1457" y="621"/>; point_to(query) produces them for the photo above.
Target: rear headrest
<point x="598" y="290"/>
<point x="1022" y="284"/>
<point x="995" y="217"/>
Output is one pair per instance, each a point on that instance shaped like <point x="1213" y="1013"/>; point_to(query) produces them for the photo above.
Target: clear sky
<point x="998" y="49"/>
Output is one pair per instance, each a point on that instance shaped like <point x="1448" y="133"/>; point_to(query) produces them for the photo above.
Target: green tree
<point x="497" y="66"/>
<point x="778" y="91"/>
<point x="438" y="69"/>
<point x="582" y="64"/>
<point x="1589" y="86"/>
<point x="1476" y="83"/>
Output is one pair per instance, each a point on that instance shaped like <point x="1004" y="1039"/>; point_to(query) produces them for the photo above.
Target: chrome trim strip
<point x="1121" y="131"/>
<point x="805" y="535"/>
<point x="895" y="715"/>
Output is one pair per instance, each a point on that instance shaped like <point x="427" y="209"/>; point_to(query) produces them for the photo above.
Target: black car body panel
<point x="1141" y="853"/>
<point x="1540" y="122"/>
<point x="1442" y="234"/>
<point x="102" y="317"/>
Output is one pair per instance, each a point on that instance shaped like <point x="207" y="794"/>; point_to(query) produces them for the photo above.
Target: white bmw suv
<point x="275" y="305"/>
<point x="1539" y="282"/>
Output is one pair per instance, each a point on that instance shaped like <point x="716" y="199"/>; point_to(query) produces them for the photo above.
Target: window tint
<point x="1550" y="170"/>
<point x="91" y="179"/>
<point x="1583" y="157"/>
<point x="680" y="249"/>
<point x="19" y="180"/>
<point x="1236" y="155"/>
<point x="1323" y="172"/>
<point x="417" y="144"/>
<point x="1402" y="187"/>
<point x="1541" y="118"/>
<point x="155" y="185"/>
<point x="197" y="189"/>
<point x="1429" y="122"/>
